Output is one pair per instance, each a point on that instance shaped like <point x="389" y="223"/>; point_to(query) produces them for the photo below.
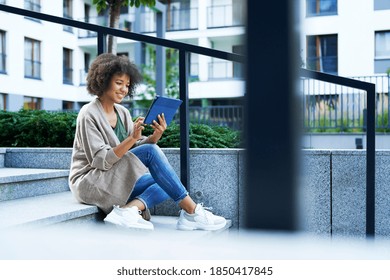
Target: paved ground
<point x="99" y="241"/>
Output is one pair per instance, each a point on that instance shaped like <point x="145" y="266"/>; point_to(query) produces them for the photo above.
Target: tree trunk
<point x="114" y="14"/>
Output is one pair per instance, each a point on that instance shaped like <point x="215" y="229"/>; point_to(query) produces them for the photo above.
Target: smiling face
<point x="117" y="89"/>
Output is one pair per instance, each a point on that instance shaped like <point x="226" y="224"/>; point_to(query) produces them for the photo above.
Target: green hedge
<point x="38" y="128"/>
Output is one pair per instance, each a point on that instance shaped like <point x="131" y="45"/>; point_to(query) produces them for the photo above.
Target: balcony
<point x="125" y="23"/>
<point x="176" y="19"/>
<point x="225" y="15"/>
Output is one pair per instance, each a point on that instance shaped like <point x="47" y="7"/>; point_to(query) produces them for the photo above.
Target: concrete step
<point x="16" y="183"/>
<point x="62" y="209"/>
<point x="45" y="210"/>
<point x="49" y="158"/>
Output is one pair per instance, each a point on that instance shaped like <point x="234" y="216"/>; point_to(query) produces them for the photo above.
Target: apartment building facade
<point x="346" y="38"/>
<point x="43" y="65"/>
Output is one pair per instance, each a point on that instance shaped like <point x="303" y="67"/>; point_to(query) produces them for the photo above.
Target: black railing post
<point x="184" y="120"/>
<point x="370" y="161"/>
<point x="160" y="50"/>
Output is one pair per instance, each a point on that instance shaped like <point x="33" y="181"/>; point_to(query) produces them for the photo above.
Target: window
<point x="32" y="103"/>
<point x="32" y="58"/>
<point x="322" y="53"/>
<point x="381" y="4"/>
<point x="123" y="54"/>
<point x="382" y="51"/>
<point x="3" y="99"/>
<point x="2" y="52"/>
<point x="382" y="44"/>
<point x="87" y="12"/>
<point x="182" y="15"/>
<point x="84" y="72"/>
<point x="238" y="68"/>
<point x="321" y="7"/>
<point x="238" y="13"/>
<point x="33" y="5"/>
<point x="67" y="13"/>
<point x="67" y="105"/>
<point x="67" y="66"/>
<point x="194" y="65"/>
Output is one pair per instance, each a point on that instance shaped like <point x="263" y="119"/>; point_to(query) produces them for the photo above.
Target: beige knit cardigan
<point x="97" y="176"/>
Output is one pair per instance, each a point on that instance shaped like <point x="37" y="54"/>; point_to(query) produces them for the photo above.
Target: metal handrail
<point x="184" y="51"/>
<point x="370" y="151"/>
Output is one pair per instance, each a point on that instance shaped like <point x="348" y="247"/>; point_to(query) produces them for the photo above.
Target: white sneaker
<point x="201" y="219"/>
<point x="128" y="218"/>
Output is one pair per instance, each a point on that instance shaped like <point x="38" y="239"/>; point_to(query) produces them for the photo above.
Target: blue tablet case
<point x="160" y="105"/>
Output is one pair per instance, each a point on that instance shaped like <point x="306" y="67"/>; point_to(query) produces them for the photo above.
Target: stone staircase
<point x="34" y="191"/>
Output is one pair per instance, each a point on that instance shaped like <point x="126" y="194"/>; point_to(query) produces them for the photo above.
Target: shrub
<point x="201" y="136"/>
<point x="38" y="128"/>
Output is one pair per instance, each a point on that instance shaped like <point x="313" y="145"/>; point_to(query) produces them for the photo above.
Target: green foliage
<point x="35" y="128"/>
<point x="38" y="128"/>
<point x="348" y="126"/>
<point x="201" y="136"/>
<point x="324" y="125"/>
<point x="172" y="76"/>
<point x="102" y="4"/>
<point x="382" y="122"/>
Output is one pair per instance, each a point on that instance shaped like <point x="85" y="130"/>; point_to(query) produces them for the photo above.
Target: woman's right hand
<point x="130" y="141"/>
<point x="137" y="128"/>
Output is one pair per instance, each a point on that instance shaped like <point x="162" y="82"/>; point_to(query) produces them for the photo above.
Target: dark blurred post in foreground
<point x="272" y="161"/>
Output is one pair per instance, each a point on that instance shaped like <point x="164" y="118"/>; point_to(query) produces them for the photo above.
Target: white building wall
<point x="355" y="24"/>
<point x="53" y="39"/>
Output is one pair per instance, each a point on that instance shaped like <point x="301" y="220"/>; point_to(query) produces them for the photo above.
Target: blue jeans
<point x="161" y="183"/>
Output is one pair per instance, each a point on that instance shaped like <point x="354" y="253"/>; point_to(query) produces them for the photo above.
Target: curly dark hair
<point x="104" y="67"/>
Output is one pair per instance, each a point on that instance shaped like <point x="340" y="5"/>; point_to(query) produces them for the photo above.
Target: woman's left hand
<point x="159" y="128"/>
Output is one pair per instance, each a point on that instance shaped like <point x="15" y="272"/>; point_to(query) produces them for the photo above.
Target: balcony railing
<point x="176" y="20"/>
<point x="182" y="19"/>
<point x="220" y="69"/>
<point x="124" y="24"/>
<point x="225" y="15"/>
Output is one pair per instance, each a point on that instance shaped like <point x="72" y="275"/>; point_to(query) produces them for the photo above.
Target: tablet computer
<point x="160" y="105"/>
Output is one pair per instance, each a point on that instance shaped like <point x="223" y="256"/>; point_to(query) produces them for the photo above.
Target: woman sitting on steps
<point x="118" y="169"/>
